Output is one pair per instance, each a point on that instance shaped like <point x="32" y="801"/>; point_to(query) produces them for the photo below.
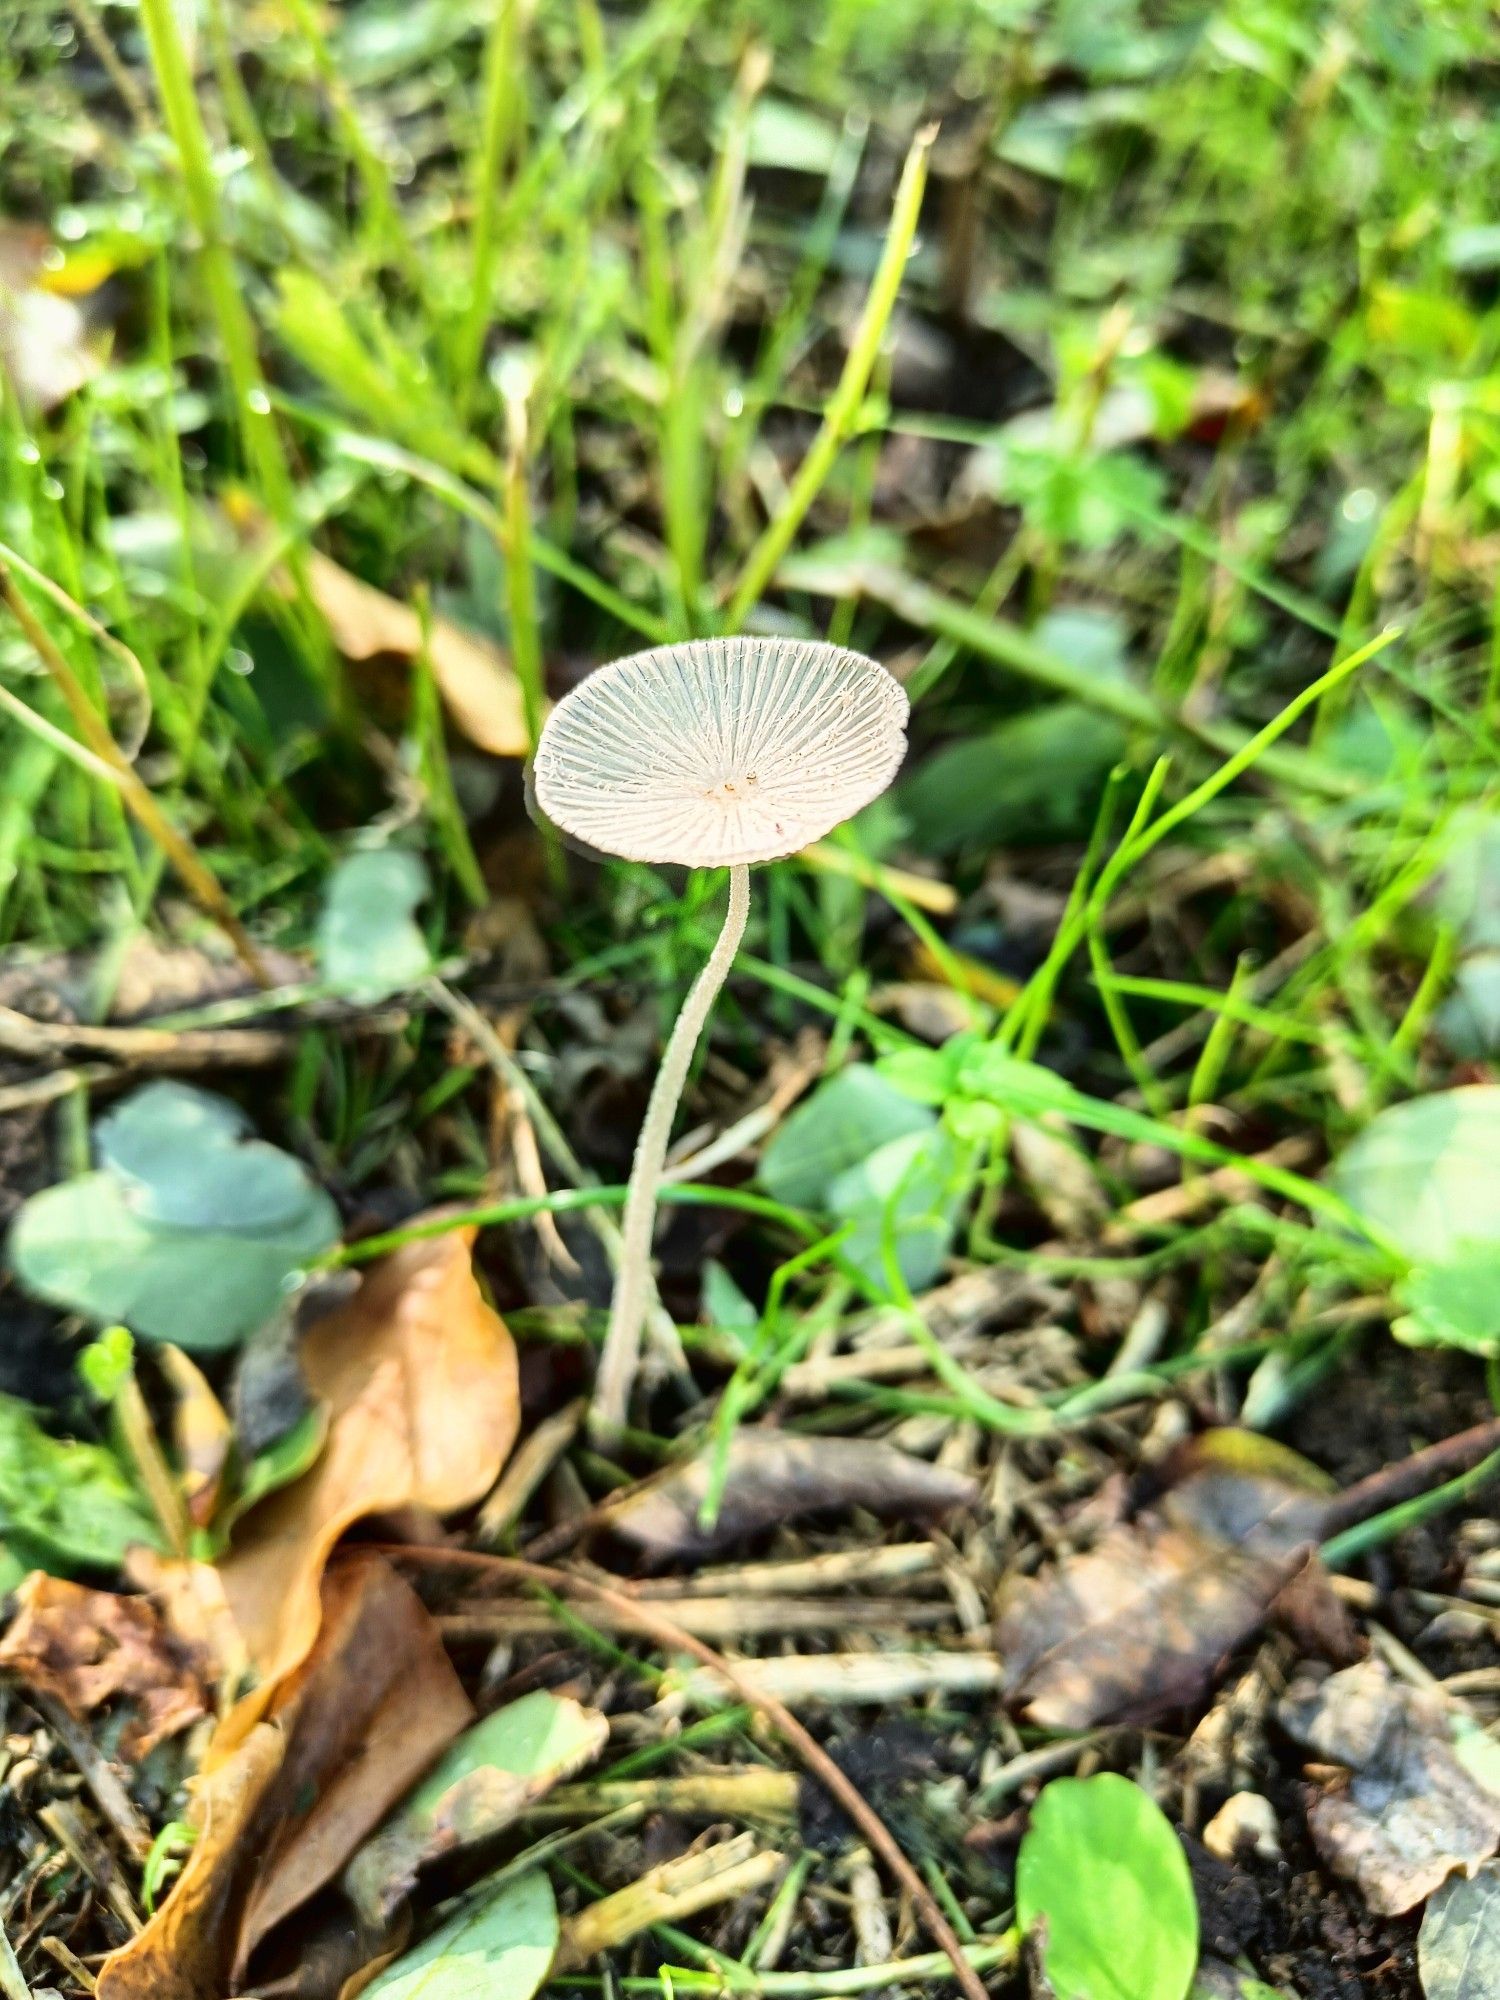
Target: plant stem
<point x="848" y="398"/>
<point x="633" y="1280"/>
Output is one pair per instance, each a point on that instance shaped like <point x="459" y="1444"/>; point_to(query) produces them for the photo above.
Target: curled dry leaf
<point x="489" y="1776"/>
<point x="474" y="676"/>
<point x="1411" y="1810"/>
<point x="295" y="1779"/>
<point x="1141" y="1623"/>
<point x="1459" y="1949"/>
<point x="88" y="1647"/>
<point x="774" y="1476"/>
<point x="419" y="1378"/>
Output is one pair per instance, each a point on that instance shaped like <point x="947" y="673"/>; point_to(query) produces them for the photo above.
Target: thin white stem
<point x="622" y="1343"/>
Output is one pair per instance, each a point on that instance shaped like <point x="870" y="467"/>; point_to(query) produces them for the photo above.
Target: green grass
<point x="596" y="327"/>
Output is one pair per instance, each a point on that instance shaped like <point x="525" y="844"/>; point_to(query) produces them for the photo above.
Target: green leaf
<point x="1458" y="1951"/>
<point x="66" y="1505"/>
<point x="1456" y="1304"/>
<point x="1469" y="1019"/>
<point x="846" y="1119"/>
<point x="910" y="1188"/>
<point x="83" y="1247"/>
<point x="186" y="1157"/>
<point x="1428" y="1172"/>
<point x="785" y="135"/>
<point x="293" y="1453"/>
<point x="498" y="1948"/>
<point x="368" y="944"/>
<point x="480" y="1785"/>
<point x="106" y="1364"/>
<point x="1035" y="778"/>
<point x="188" y="1233"/>
<point x="1101" y="1864"/>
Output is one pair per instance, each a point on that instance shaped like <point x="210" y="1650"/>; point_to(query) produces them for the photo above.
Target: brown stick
<point x="816" y="1759"/>
<point x="1410" y="1476"/>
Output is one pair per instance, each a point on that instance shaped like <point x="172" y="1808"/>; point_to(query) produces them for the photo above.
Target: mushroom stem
<point x="622" y="1343"/>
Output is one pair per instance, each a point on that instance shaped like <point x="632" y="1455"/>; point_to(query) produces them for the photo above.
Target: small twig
<point x="98" y="1774"/>
<point x="1409" y="1476"/>
<point x="666" y="1632"/>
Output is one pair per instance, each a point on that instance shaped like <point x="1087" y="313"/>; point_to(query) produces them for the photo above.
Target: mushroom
<point x="717" y="753"/>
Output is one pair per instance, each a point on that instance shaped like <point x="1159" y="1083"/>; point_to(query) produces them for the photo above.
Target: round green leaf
<point x="85" y="1247"/>
<point x="1428" y="1172"/>
<point x="368" y="944"/>
<point x="1458" y="1951"/>
<point x="500" y="1948"/>
<point x="188" y="1158"/>
<point x="847" y="1118"/>
<point x="1101" y="1864"/>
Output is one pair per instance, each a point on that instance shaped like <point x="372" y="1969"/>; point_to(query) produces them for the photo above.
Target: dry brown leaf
<point x="476" y="679"/>
<point x="88" y="1647"/>
<point x="1141" y="1623"/>
<point x="295" y="1779"/>
<point x="190" y="1597"/>
<point x="775" y="1476"/>
<point x="1411" y="1810"/>
<point x="419" y="1376"/>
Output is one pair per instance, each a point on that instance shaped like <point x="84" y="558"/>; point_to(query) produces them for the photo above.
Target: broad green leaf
<point x="909" y="1187"/>
<point x="724" y="1304"/>
<point x="500" y="1947"/>
<point x="847" y="1118"/>
<point x="187" y="1157"/>
<point x="1455" y="1304"/>
<point x="490" y="1775"/>
<point x="1035" y="778"/>
<point x="189" y="1231"/>
<point x="64" y="1504"/>
<point x="785" y="135"/>
<point x="1458" y="1950"/>
<point x="293" y="1453"/>
<point x="84" y="1247"/>
<point x="1469" y="1019"/>
<point x="1101" y="1864"/>
<point x="368" y="944"/>
<point x="1428" y="1172"/>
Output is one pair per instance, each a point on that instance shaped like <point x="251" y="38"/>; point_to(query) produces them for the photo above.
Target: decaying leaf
<point x="775" y="1476"/>
<point x="1411" y="1810"/>
<point x="202" y="1433"/>
<point x="295" y="1779"/>
<point x="89" y="1647"/>
<point x="1459" y="1948"/>
<point x="488" y="1777"/>
<point x="419" y="1378"/>
<point x="1140" y="1624"/>
<point x="476" y="679"/>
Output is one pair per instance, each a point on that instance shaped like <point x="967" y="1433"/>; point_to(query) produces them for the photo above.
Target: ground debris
<point x="1409" y="1810"/>
<point x="89" y="1647"/>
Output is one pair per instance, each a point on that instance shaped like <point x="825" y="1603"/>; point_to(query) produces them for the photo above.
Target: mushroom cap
<point x="720" y="750"/>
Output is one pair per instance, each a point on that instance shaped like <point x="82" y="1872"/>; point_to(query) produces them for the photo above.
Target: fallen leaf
<point x="45" y="347"/>
<point x="369" y="943"/>
<point x="500" y="1946"/>
<point x="1458" y="1951"/>
<point x="484" y="1781"/>
<point x="89" y="1647"/>
<point x="296" y="1778"/>
<point x="774" y="1476"/>
<point x="1411" y="1810"/>
<point x="475" y="678"/>
<point x="419" y="1378"/>
<point x="1140" y="1624"/>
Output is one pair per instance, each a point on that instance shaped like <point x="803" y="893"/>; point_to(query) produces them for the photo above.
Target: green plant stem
<point x="500" y="122"/>
<point x="842" y="414"/>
